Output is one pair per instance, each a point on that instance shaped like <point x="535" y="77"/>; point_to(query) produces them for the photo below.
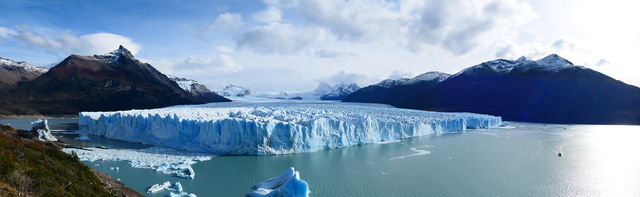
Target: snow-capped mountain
<point x="428" y="76"/>
<point x="193" y="87"/>
<point x="114" y="56"/>
<point x="234" y="90"/>
<point x="551" y="89"/>
<point x="12" y="72"/>
<point x="396" y="91"/>
<point x="335" y="92"/>
<point x="324" y="91"/>
<point x="550" y="63"/>
<point x="114" y="81"/>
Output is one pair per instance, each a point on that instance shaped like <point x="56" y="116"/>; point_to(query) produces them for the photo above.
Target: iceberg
<point x="40" y="128"/>
<point x="287" y="184"/>
<point x="166" y="186"/>
<point x="159" y="187"/>
<point x="275" y="127"/>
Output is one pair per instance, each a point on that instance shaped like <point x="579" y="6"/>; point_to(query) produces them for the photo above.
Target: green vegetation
<point x="32" y="168"/>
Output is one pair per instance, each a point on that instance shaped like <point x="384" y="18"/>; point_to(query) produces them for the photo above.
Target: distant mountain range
<point x="335" y="92"/>
<point x="324" y="91"/>
<point x="114" y="81"/>
<point x="195" y="88"/>
<point x="234" y="90"/>
<point x="13" y="73"/>
<point x="550" y="90"/>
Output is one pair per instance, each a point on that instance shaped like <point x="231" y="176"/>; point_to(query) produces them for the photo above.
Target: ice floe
<point x="164" y="160"/>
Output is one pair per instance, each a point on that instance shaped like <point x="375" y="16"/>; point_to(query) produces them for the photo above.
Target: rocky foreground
<point x="32" y="165"/>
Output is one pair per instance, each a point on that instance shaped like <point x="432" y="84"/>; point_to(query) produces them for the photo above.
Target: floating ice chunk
<point x="268" y="127"/>
<point x="287" y="184"/>
<point x="41" y="129"/>
<point x="187" y="173"/>
<point x="164" y="160"/>
<point x="177" y="187"/>
<point x="159" y="187"/>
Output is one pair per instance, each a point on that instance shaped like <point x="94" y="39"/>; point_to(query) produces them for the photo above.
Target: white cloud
<point x="400" y="74"/>
<point x="333" y="54"/>
<point x="351" y="20"/>
<point x="6" y="33"/>
<point x="223" y="63"/>
<point x="32" y="39"/>
<point x="100" y="43"/>
<point x="457" y="26"/>
<point x="89" y="44"/>
<point x="361" y="79"/>
<point x="224" y="49"/>
<point x="578" y="54"/>
<point x="281" y="3"/>
<point x="461" y="25"/>
<point x="227" y="22"/>
<point x="269" y="15"/>
<point x="277" y="38"/>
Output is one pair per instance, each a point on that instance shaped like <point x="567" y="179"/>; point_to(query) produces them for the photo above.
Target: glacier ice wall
<point x="269" y="127"/>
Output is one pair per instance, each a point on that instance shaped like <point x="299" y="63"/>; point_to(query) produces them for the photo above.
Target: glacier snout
<point x="261" y="128"/>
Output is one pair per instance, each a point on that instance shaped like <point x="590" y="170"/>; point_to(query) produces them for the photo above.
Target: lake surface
<point x="597" y="160"/>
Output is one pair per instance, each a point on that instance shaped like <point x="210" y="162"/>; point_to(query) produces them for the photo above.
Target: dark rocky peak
<point x="115" y="56"/>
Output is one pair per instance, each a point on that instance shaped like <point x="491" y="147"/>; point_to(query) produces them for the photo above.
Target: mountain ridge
<point x="550" y="90"/>
<point x="114" y="81"/>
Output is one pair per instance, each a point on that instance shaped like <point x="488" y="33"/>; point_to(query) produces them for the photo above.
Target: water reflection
<point x="613" y="160"/>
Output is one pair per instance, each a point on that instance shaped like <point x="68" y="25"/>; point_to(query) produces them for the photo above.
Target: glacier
<point x="268" y="127"/>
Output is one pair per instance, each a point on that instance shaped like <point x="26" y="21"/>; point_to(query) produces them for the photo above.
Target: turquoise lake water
<point x="597" y="160"/>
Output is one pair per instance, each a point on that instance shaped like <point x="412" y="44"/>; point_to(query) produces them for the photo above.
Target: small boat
<point x="559" y="154"/>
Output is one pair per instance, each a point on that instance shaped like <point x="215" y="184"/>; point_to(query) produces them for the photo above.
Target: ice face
<point x="268" y="127"/>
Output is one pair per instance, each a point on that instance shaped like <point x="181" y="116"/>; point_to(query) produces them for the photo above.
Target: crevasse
<point x="271" y="127"/>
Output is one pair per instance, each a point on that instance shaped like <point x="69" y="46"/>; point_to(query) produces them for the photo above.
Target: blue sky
<point x="292" y="45"/>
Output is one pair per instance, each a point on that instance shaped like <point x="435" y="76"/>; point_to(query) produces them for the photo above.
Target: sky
<point x="292" y="45"/>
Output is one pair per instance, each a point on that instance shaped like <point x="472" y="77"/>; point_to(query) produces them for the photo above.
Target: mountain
<point x="13" y="73"/>
<point x="334" y="92"/>
<point x="114" y="81"/>
<point x="550" y="90"/>
<point x="195" y="88"/>
<point x="324" y="91"/>
<point x="234" y="90"/>
<point x="399" y="91"/>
